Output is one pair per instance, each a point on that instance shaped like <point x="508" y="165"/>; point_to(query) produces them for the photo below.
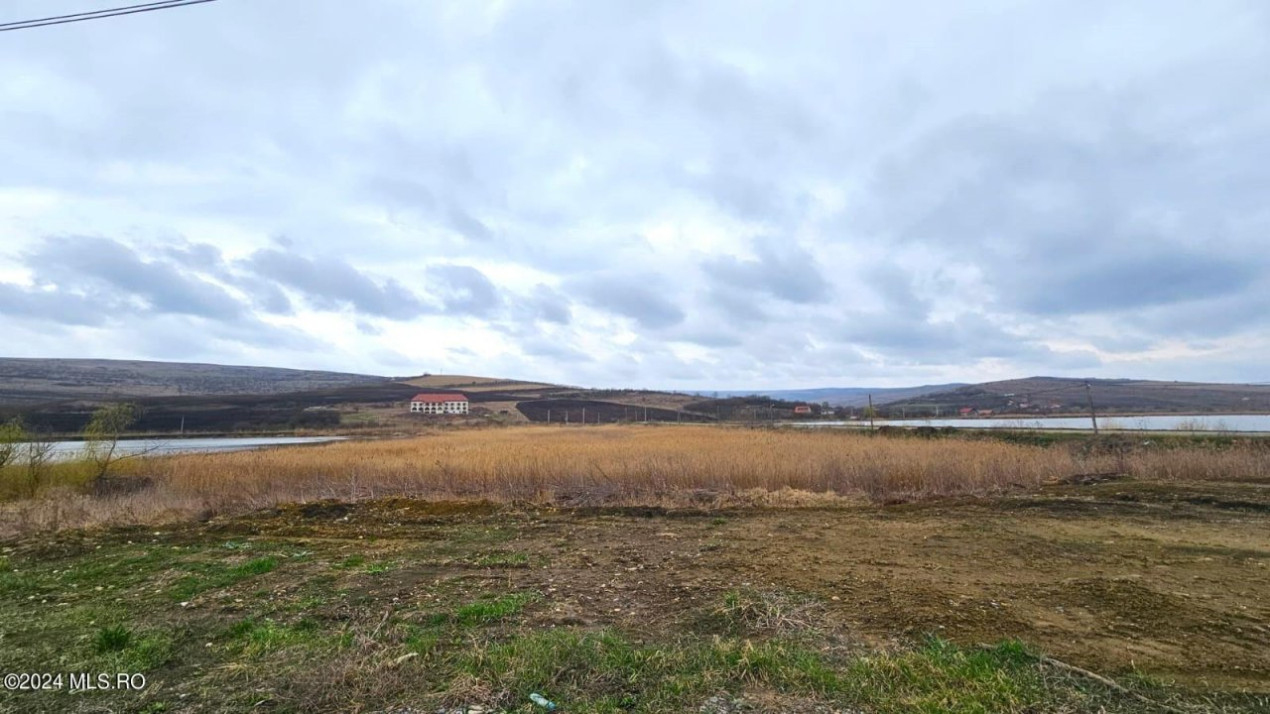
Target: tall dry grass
<point x="604" y="465"/>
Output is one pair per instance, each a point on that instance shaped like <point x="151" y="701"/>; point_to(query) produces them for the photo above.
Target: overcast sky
<point x="660" y="194"/>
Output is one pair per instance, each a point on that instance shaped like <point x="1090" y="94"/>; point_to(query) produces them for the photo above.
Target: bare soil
<point x="1167" y="580"/>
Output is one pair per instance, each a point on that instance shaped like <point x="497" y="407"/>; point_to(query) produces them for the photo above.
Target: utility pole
<point x="182" y="426"/>
<point x="645" y="413"/>
<point x="1093" y="416"/>
<point x="566" y="416"/>
<point x="870" y="411"/>
<point x="584" y="416"/>
<point x="548" y="416"/>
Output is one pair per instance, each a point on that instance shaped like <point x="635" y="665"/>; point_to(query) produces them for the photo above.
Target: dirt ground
<point x="1165" y="588"/>
<point x="1172" y="581"/>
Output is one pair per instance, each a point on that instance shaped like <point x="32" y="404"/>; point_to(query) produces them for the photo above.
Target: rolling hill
<point x="1054" y="395"/>
<point x="36" y="381"/>
<point x="845" y="396"/>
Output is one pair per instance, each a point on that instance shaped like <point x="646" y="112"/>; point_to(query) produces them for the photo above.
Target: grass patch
<point x="256" y="637"/>
<point x="501" y="560"/>
<point x="490" y="610"/>
<point x="351" y="562"/>
<point x="607" y="671"/>
<point x="258" y="566"/>
<point x="211" y="576"/>
<point x="112" y="639"/>
<point x="765" y="611"/>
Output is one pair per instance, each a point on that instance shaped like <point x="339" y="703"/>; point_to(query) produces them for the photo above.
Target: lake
<point x="1206" y="422"/>
<point x="63" y="450"/>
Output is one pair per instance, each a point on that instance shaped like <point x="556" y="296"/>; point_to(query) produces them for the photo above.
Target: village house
<point x="438" y="404"/>
<point x="802" y="409"/>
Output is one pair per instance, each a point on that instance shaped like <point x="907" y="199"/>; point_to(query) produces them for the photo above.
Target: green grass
<point x="112" y="639"/>
<point x="210" y="576"/>
<point x="256" y="637"/>
<point x="501" y="560"/>
<point x="490" y="610"/>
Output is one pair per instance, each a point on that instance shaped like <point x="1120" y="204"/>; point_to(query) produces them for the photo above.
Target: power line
<point x="98" y="14"/>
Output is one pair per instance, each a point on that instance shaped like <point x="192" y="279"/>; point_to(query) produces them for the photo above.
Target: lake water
<point x="70" y="449"/>
<point x="1207" y="422"/>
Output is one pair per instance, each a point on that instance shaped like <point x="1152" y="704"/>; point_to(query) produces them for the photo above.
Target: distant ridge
<point x="842" y="396"/>
<point x="33" y="381"/>
<point x="1039" y="395"/>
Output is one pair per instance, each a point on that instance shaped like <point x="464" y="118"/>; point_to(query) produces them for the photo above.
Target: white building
<point x="438" y="404"/>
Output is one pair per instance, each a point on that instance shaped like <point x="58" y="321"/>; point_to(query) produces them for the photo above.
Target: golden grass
<point x="619" y="465"/>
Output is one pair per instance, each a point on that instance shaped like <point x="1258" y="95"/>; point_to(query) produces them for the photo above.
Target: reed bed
<point x="611" y="465"/>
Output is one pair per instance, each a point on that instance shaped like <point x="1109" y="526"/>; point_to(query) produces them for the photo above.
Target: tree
<point x="12" y="436"/>
<point x="102" y="436"/>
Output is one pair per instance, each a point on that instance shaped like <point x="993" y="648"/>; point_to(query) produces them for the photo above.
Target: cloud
<point x="789" y="274"/>
<point x="756" y="198"/>
<point x="329" y="283"/>
<point x="640" y="298"/>
<point x="463" y="290"/>
<point x="106" y="264"/>
<point x="53" y="306"/>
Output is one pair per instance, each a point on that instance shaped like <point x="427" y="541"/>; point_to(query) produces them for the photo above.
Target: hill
<point x="35" y="381"/>
<point x="845" y="396"/>
<point x="1057" y="395"/>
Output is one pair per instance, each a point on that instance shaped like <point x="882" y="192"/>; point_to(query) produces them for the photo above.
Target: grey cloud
<point x="54" y="306"/>
<point x="463" y="222"/>
<point x="968" y="337"/>
<point x="636" y="297"/>
<point x="463" y="290"/>
<point x="545" y="303"/>
<point x="265" y="295"/>
<point x="790" y="274"/>
<point x="1064" y="220"/>
<point x="1127" y="282"/>
<point x="329" y="283"/>
<point x="113" y="266"/>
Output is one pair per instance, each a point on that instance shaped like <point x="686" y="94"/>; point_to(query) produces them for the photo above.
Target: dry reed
<point x="619" y="465"/>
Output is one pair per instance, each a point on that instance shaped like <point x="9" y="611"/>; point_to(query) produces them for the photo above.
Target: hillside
<point x="35" y="381"/>
<point x="1056" y="395"/>
<point x="845" y="396"/>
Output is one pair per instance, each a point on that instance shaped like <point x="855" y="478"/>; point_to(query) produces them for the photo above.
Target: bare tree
<point x="102" y="437"/>
<point x="12" y="435"/>
<point x="38" y="452"/>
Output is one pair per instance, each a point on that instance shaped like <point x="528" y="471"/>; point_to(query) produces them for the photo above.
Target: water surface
<point x="63" y="450"/>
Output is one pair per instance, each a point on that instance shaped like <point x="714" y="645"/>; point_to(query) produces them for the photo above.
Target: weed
<point x="352" y="561"/>
<point x="112" y="639"/>
<point x="259" y="566"/>
<point x="768" y="611"/>
<point x="501" y="560"/>
<point x="485" y="611"/>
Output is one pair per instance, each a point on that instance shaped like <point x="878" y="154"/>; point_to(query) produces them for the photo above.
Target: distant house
<point x="965" y="411"/>
<point x="438" y="404"/>
<point x="802" y="409"/>
<point x="985" y="412"/>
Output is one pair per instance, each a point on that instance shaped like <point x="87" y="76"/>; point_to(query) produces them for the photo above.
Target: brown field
<point x="611" y="465"/>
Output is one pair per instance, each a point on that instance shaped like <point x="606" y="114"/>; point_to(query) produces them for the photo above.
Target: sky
<point x="703" y="195"/>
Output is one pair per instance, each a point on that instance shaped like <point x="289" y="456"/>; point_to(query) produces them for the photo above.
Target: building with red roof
<point x="438" y="403"/>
